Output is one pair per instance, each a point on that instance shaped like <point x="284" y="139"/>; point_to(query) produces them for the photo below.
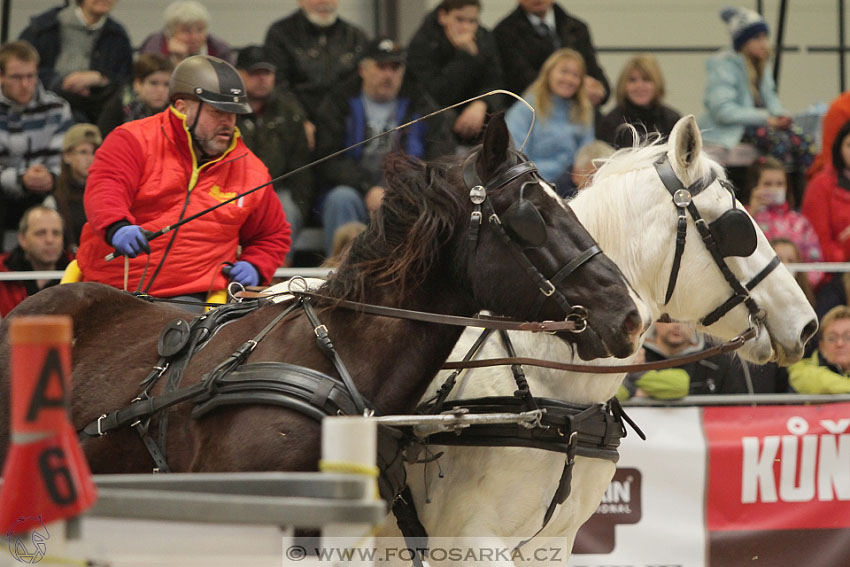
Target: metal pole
<point x="4" y="21"/>
<point x="841" y="55"/>
<point x="780" y="37"/>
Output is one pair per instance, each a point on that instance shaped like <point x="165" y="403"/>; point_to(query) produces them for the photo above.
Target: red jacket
<point x="13" y="292"/>
<point x="827" y="206"/>
<point x="835" y="117"/>
<point x="146" y="172"/>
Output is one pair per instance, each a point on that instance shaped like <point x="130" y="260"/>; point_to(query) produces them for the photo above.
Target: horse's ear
<point x="494" y="151"/>
<point x="685" y="143"/>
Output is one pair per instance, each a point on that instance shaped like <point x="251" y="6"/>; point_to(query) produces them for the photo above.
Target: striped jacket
<point x="30" y="135"/>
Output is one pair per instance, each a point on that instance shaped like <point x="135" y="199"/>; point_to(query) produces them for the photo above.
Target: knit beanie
<point x="744" y="24"/>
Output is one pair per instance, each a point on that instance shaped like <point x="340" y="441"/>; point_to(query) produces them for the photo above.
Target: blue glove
<point x="246" y="274"/>
<point x="130" y="241"/>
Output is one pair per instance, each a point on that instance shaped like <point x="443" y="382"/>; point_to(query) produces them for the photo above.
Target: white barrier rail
<point x="279" y="273"/>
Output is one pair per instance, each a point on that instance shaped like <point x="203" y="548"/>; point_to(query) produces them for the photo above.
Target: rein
<point x="166" y="229"/>
<point x="484" y="322"/>
<point x="729" y="346"/>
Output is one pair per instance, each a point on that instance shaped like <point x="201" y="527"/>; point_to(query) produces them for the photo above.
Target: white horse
<point x="502" y="493"/>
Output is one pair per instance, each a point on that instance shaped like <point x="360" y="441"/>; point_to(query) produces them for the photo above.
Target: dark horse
<point x="416" y="254"/>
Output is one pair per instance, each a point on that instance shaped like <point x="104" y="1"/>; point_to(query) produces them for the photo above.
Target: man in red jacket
<point x="153" y="172"/>
<point x="39" y="249"/>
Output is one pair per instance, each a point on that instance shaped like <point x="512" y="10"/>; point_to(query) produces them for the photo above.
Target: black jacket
<point x="451" y="75"/>
<point x="112" y="55"/>
<point x="523" y="50"/>
<point x="278" y="139"/>
<point x="311" y="60"/>
<point x="720" y="374"/>
<point x="337" y="127"/>
<point x="657" y="118"/>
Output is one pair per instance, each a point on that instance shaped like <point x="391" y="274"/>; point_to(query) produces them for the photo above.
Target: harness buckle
<point x="572" y="444"/>
<point x="100" y="432"/>
<point x="550" y="291"/>
<point x="494" y="218"/>
<point x="320" y="331"/>
<point x="475" y="218"/>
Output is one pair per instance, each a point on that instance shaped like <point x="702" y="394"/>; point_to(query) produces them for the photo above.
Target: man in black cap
<point x="380" y="98"/>
<point x="275" y="131"/>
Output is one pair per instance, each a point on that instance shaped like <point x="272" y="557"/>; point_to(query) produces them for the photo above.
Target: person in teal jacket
<point x="739" y="87"/>
<point x="827" y="371"/>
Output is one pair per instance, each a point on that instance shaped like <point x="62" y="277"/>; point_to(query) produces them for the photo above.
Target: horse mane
<point x="405" y="237"/>
<point x="644" y="153"/>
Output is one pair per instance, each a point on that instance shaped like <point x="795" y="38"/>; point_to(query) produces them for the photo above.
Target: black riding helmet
<point x="210" y="80"/>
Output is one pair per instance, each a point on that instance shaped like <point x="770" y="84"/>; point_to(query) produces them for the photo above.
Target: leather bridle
<point x="742" y="242"/>
<point x="528" y="216"/>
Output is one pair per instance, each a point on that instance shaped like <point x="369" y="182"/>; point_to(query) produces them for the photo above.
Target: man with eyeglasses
<point x="827" y="371"/>
<point x="33" y="122"/>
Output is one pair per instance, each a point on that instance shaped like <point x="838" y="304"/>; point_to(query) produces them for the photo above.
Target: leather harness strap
<point x="680" y="194"/>
<point x="481" y="321"/>
<point x="730" y="345"/>
<point x="682" y="198"/>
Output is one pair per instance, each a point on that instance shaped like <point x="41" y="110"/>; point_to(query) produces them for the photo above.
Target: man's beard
<point x="215" y="146"/>
<point x="321" y="20"/>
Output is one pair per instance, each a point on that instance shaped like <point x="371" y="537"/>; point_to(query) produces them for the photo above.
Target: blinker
<point x="524" y="222"/>
<point x="734" y="233"/>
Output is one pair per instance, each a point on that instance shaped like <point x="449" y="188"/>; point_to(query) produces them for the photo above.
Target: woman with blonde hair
<point x="564" y="116"/>
<point x="640" y="95"/>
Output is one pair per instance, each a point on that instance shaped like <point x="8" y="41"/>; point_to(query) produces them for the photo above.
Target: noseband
<point x="732" y="234"/>
<point x="522" y="224"/>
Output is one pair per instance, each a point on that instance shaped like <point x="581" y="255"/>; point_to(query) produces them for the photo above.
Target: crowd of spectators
<point x="319" y="84"/>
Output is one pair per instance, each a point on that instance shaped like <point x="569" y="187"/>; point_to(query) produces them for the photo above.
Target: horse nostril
<point x="808" y="331"/>
<point x="632" y="323"/>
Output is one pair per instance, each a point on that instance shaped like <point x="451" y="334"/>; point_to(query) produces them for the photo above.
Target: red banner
<point x="778" y="467"/>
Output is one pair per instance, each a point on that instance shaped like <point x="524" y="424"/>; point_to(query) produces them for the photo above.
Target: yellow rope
<point x="348" y="467"/>
<point x="351" y="468"/>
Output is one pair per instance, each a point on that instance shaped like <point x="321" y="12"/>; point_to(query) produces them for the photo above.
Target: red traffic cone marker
<point x="46" y="476"/>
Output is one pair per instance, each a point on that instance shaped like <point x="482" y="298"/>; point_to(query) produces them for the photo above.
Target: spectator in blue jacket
<point x="85" y="54"/>
<point x="564" y="117"/>
<point x="380" y="98"/>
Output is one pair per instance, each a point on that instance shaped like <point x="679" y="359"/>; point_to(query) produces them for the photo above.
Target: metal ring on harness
<point x="230" y="292"/>
<point x="579" y="318"/>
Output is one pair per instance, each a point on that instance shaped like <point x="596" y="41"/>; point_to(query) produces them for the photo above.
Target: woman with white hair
<point x="186" y="33"/>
